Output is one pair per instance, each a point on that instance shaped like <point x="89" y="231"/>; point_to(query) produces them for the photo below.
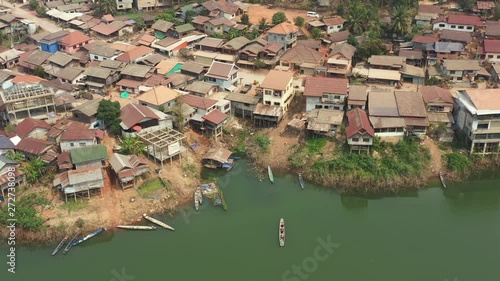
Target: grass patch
<point x="71" y="206"/>
<point x="26" y="214"/>
<point x="240" y="142"/>
<point x="262" y="142"/>
<point x="315" y="145"/>
<point x="151" y="186"/>
<point x="189" y="169"/>
<point x="456" y="162"/>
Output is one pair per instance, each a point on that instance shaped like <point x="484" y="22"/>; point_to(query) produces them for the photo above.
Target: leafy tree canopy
<point x="109" y="112"/>
<point x="245" y="19"/>
<point x="299" y="21"/>
<point x="370" y="47"/>
<point x="279" y="17"/>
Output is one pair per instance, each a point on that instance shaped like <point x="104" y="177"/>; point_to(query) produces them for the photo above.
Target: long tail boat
<point x="83" y="239"/>
<point x="60" y="245"/>
<point x="160" y="223"/>
<point x="301" y="181"/>
<point x="137" y="227"/>
<point x="270" y="173"/>
<point x="70" y="243"/>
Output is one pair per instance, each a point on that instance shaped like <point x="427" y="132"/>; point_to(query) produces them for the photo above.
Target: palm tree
<point x="106" y="7"/>
<point x="34" y="170"/>
<point x="131" y="145"/>
<point x="400" y="21"/>
<point x="262" y="24"/>
<point x="15" y="156"/>
<point x="357" y="18"/>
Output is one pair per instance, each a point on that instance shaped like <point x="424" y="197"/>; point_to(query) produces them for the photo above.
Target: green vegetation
<point x="131" y="145"/>
<point x="253" y="34"/>
<point x="262" y="142"/>
<point x="71" y="206"/>
<point x="315" y="145"/>
<point x="15" y="156"/>
<point x="26" y="214"/>
<point x="400" y="20"/>
<point x="240" y="146"/>
<point x="259" y="64"/>
<point x="109" y="112"/>
<point x="369" y="48"/>
<point x="151" y="186"/>
<point x="104" y="7"/>
<point x="189" y="15"/>
<point x="299" y="21"/>
<point x="457" y="162"/>
<point x="232" y="33"/>
<point x="189" y="169"/>
<point x="316" y="33"/>
<point x="34" y="170"/>
<point x="40" y="72"/>
<point x="262" y="24"/>
<point x="245" y="19"/>
<point x="278" y="18"/>
<point x="169" y="15"/>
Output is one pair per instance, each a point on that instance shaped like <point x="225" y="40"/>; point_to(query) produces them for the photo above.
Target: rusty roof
<point x="198" y="102"/>
<point x="28" y="125"/>
<point x="436" y="94"/>
<point x="73" y="135"/>
<point x="358" y="123"/>
<point x="318" y="86"/>
<point x="215" y="117"/>
<point x="33" y="146"/>
<point x="133" y="114"/>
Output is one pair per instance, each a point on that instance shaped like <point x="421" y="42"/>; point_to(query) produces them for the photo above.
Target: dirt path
<point x="44" y="23"/>
<point x="256" y="12"/>
<point x="436" y="161"/>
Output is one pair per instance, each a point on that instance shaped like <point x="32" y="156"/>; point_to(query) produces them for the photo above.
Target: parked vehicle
<point x="246" y="88"/>
<point x="312" y="15"/>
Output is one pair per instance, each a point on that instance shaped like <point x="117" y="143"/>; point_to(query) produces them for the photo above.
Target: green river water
<point x="431" y="235"/>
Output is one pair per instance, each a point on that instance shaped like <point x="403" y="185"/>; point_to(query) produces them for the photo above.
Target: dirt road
<point x="44" y="23"/>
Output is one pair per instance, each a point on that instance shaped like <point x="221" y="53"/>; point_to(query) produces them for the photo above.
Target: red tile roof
<point x="73" y="135"/>
<point x="133" y="114"/>
<point x="334" y="21"/>
<point x="317" y="86"/>
<point x="28" y="125"/>
<point x="485" y="5"/>
<point x="465" y="19"/>
<point x="134" y="54"/>
<point x="283" y="28"/>
<point x="74" y="38"/>
<point x="424" y="39"/>
<point x="33" y="146"/>
<point x="27" y="79"/>
<point x="198" y="102"/>
<point x="358" y="123"/>
<point x="491" y="46"/>
<point x="215" y="116"/>
<point x="434" y="93"/>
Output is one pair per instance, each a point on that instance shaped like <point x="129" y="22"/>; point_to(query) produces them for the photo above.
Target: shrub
<point x="262" y="142"/>
<point x="457" y="162"/>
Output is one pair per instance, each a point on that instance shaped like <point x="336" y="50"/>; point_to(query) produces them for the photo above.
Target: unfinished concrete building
<point x="27" y="100"/>
<point x="163" y="144"/>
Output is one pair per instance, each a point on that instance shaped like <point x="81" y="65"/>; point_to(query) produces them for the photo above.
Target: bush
<point x="245" y="19"/>
<point x="278" y="18"/>
<point x="26" y="215"/>
<point x="299" y="21"/>
<point x="262" y="142"/>
<point x="315" y="145"/>
<point x="259" y="64"/>
<point x="457" y="162"/>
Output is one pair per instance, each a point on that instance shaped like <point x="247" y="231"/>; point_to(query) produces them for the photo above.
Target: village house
<point x="162" y="28"/>
<point x="181" y="31"/>
<point x="303" y="59"/>
<point x="445" y="50"/>
<point x="223" y="74"/>
<point x="137" y="117"/>
<point x="384" y="115"/>
<point x="99" y="79"/>
<point x="148" y="5"/>
<point x="423" y="43"/>
<point x="50" y="43"/>
<point x="243" y="105"/>
<point x="221" y="9"/>
<point x="213" y="123"/>
<point x="59" y="61"/>
<point x="490" y="50"/>
<point x="80" y="183"/>
<point x="202" y="107"/>
<point x="199" y="22"/>
<point x="210" y="44"/>
<point x="34" y="148"/>
<point x="112" y="30"/>
<point x="284" y="34"/>
<point x="233" y="46"/>
<point x="32" y="128"/>
<point x="427" y="13"/>
<point x="136" y="54"/>
<point x="71" y="139"/>
<point x="136" y="72"/>
<point x="339" y="63"/>
<point x="334" y="24"/>
<point x="413" y="57"/>
<point x="439" y="104"/>
<point x="29" y="61"/>
<point x="218" y="26"/>
<point x="103" y="52"/>
<point x="195" y="7"/>
<point x="277" y="89"/>
<point x="460" y="70"/>
<point x="63" y="161"/>
<point x="484" y="6"/>
<point x="492" y="29"/>
<point x="411" y="108"/>
<point x="62" y="125"/>
<point x="6" y="145"/>
<point x="455" y="36"/>
<point x="128" y="168"/>
<point x="27" y="100"/>
<point x="387" y="62"/>
<point x="311" y="43"/>
<point x="325" y="93"/>
<point x="159" y="97"/>
<point x="91" y="156"/>
<point x="9" y="58"/>
<point x="194" y="69"/>
<point x="87" y="112"/>
<point x="122" y="5"/>
<point x="217" y="157"/>
<point x="145" y="39"/>
<point x="324" y="122"/>
<point x="7" y="168"/>
<point x="72" y="42"/>
<point x="337" y="38"/>
<point x="359" y="131"/>
<point x="202" y="89"/>
<point x="71" y="75"/>
<point x="413" y="74"/>
<point x="478" y="117"/>
<point x="357" y="97"/>
<point x="465" y="23"/>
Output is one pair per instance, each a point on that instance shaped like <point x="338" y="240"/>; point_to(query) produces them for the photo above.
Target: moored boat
<point x="160" y="223"/>
<point x="270" y="173"/>
<point x="60" y="245"/>
<point x="137" y="227"/>
<point x="282" y="232"/>
<point x="197" y="198"/>
<point x="301" y="181"/>
<point x="70" y="243"/>
<point x="83" y="239"/>
<point x="441" y="177"/>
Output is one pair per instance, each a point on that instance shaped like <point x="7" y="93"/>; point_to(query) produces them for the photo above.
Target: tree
<point x="496" y="12"/>
<point x="316" y="33"/>
<point x="370" y="47"/>
<point x="233" y="33"/>
<point x="400" y="20"/>
<point x="105" y="7"/>
<point x="186" y="53"/>
<point x="33" y="4"/>
<point x="351" y="40"/>
<point x="41" y="11"/>
<point x="253" y="34"/>
<point x="109" y="112"/>
<point x="279" y="17"/>
<point x="340" y="9"/>
<point x="15" y="156"/>
<point x="262" y="24"/>
<point x="169" y="15"/>
<point x="139" y="24"/>
<point x="467" y="5"/>
<point x="39" y="71"/>
<point x="34" y="170"/>
<point x="358" y="17"/>
<point x="131" y="145"/>
<point x="245" y="19"/>
<point x="9" y="128"/>
<point x="189" y="15"/>
<point x="299" y="21"/>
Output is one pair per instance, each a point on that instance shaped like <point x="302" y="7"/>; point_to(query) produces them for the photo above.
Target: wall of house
<point x="390" y="132"/>
<point x="225" y="84"/>
<point x="126" y="30"/>
<point x="90" y="164"/>
<point x="334" y="28"/>
<point x="79" y="79"/>
<point x="165" y="105"/>
<point x="124" y="4"/>
<point x="457" y="27"/>
<point x="319" y="103"/>
<point x="282" y="101"/>
<point x="94" y="57"/>
<point x="307" y="71"/>
<point x="228" y="16"/>
<point x="359" y="139"/>
<point x="51" y="48"/>
<point x="69" y="145"/>
<point x="493" y="57"/>
<point x="130" y="90"/>
<point x="210" y="29"/>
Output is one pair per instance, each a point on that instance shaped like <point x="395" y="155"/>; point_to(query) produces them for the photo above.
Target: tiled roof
<point x="221" y="70"/>
<point x="28" y="125"/>
<point x="27" y="79"/>
<point x="134" y="54"/>
<point x="455" y="35"/>
<point x="491" y="46"/>
<point x="215" y="117"/>
<point x="162" y="25"/>
<point x="283" y="28"/>
<point x="132" y="114"/>
<point x="465" y="19"/>
<point x="158" y="96"/>
<point x="424" y="39"/>
<point x="318" y="86"/>
<point x="74" y="38"/>
<point x="358" y="123"/>
<point x="334" y="21"/>
<point x="339" y="36"/>
<point x="73" y="135"/>
<point x="277" y="80"/>
<point x="410" y="104"/>
<point x="485" y="5"/>
<point x="33" y="146"/>
<point x="198" y="102"/>
<point x="434" y="93"/>
<point x="200" y="20"/>
<point x="302" y="54"/>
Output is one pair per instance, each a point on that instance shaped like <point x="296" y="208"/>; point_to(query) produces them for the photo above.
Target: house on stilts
<point x="217" y="157"/>
<point x="128" y="168"/>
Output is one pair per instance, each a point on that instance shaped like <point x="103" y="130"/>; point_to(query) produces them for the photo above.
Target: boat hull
<point x="301" y="181"/>
<point x="59" y="246"/>
<point x="160" y="223"/>
<point x="281" y="233"/>
<point x="137" y="227"/>
<point x="91" y="235"/>
<point x="270" y="174"/>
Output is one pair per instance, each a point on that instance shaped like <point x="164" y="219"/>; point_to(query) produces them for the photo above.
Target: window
<point x="268" y="102"/>
<point x="226" y="107"/>
<point x="461" y="27"/>
<point x="490" y="56"/>
<point x="453" y="26"/>
<point x="452" y="71"/>
<point x="319" y="106"/>
<point x="96" y="57"/>
<point x="483" y="126"/>
<point x="71" y="144"/>
<point x="336" y="97"/>
<point x="83" y="144"/>
<point x="210" y="79"/>
<point x="268" y="92"/>
<point x="355" y="139"/>
<point x="277" y="103"/>
<point x="469" y="27"/>
<point x="441" y="25"/>
<point x="366" y="140"/>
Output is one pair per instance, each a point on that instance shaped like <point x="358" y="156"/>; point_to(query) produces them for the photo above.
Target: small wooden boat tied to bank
<point x="160" y="223"/>
<point x="138" y="227"/>
<point x="441" y="178"/>
<point x="70" y="243"/>
<point x="270" y="173"/>
<point x="60" y="245"/>
<point x="282" y="232"/>
<point x="91" y="235"/>
<point x="197" y="198"/>
<point x="301" y="181"/>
